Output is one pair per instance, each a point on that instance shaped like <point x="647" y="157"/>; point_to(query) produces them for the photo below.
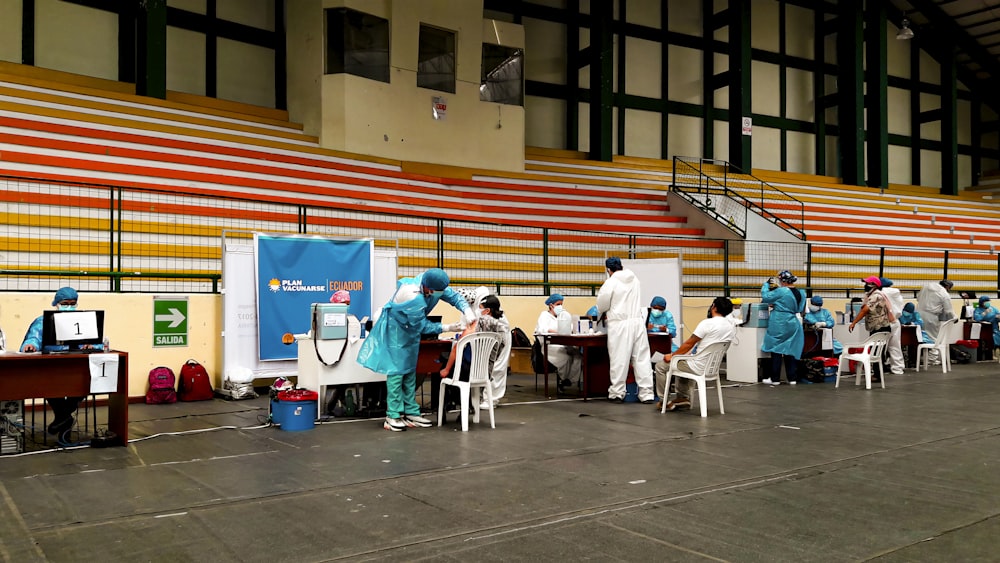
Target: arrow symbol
<point x="175" y="317"/>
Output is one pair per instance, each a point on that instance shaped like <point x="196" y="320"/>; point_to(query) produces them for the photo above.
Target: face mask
<point x="484" y="312"/>
<point x="436" y="294"/>
<point x="814" y="308"/>
<point x="869" y="288"/>
<point x="656" y="313"/>
<point x="67" y="307"/>
<point x="558" y="309"/>
<point x="709" y="315"/>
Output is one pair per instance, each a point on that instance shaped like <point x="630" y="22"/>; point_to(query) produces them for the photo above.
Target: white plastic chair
<point x="872" y="351"/>
<point x="500" y="366"/>
<point x="482" y="344"/>
<point x="942" y="345"/>
<point x="712" y="355"/>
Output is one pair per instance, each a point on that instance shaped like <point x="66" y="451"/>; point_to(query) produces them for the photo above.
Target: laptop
<point x="73" y="329"/>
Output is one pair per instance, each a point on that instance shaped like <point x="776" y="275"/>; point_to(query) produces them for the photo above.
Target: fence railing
<point x="698" y="179"/>
<point x="116" y="239"/>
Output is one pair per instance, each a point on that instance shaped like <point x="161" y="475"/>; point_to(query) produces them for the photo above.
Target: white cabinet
<point x="744" y="351"/>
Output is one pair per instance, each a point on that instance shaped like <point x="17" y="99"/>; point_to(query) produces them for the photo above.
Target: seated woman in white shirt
<point x="566" y="359"/>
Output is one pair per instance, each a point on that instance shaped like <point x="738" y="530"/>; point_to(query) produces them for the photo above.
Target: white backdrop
<point x="660" y="276"/>
<point x="239" y="306"/>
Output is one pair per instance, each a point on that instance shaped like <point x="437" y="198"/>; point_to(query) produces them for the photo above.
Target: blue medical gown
<point x="914" y="318"/>
<point x="393" y="344"/>
<point x="667" y="320"/>
<point x="784" y="330"/>
<point x="988" y="315"/>
<point x="824" y="316"/>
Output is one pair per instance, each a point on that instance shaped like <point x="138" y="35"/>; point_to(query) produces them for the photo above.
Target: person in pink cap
<point x="875" y="310"/>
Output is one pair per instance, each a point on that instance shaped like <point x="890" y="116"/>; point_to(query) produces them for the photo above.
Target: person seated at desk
<point x="986" y="313"/>
<point x="63" y="408"/>
<point x="566" y="359"/>
<point x="910" y="316"/>
<point x="661" y="320"/>
<point x="819" y="317"/>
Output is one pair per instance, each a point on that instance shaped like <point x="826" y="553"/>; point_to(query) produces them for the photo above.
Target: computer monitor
<point x="72" y="328"/>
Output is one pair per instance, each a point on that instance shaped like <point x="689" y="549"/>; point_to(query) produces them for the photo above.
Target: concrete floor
<point x="805" y="473"/>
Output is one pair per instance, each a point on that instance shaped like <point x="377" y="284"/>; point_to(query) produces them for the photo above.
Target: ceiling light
<point x="905" y="33"/>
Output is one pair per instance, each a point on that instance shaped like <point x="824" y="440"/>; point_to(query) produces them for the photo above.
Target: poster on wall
<point x="292" y="272"/>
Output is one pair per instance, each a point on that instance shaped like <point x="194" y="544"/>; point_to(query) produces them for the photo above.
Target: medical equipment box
<point x="329" y="321"/>
<point x="755" y="315"/>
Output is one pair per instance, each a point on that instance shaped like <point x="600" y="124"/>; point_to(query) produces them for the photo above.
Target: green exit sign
<point x="170" y="321"/>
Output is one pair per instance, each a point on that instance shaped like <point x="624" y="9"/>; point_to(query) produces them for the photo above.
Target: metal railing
<point x="115" y="239"/>
<point x="698" y="179"/>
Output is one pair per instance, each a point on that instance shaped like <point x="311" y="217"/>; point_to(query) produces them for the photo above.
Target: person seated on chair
<point x="567" y="359"/>
<point x="986" y="313"/>
<point x="63" y="408"/>
<point x="661" y="320"/>
<point x="715" y="328"/>
<point x="489" y="320"/>
<point x="910" y="316"/>
<point x="818" y="317"/>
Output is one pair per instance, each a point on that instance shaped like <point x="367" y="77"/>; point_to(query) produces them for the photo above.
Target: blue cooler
<point x="294" y="410"/>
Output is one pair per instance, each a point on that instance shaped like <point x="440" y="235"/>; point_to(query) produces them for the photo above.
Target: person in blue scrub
<point x="66" y="299"/>
<point x="784" y="337"/>
<point x="819" y="317"/>
<point x="910" y="316"/>
<point x="394" y="342"/>
<point x="662" y="320"/>
<point x="987" y="313"/>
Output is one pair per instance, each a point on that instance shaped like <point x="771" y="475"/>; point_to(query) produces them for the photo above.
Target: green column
<point x="707" y="79"/>
<point x="949" y="122"/>
<point x="151" y="79"/>
<point x="740" y="105"/>
<point x="876" y="78"/>
<point x="850" y="106"/>
<point x="601" y="75"/>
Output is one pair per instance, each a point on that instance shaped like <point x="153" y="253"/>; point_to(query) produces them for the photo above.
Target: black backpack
<point x="814" y="370"/>
<point x="518" y="339"/>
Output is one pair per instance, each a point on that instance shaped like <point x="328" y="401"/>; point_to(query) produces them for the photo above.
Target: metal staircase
<point x="729" y="195"/>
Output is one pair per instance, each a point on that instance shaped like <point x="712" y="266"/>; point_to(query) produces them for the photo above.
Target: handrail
<point x="733" y="220"/>
<point x="746" y="188"/>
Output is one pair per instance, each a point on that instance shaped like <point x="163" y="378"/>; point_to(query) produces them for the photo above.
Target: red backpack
<point x="161" y="386"/>
<point x="195" y="383"/>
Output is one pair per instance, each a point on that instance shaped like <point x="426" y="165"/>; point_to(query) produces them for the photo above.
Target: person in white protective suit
<point x="567" y="360"/>
<point x="895" y="346"/>
<point x="934" y="306"/>
<point x="619" y="299"/>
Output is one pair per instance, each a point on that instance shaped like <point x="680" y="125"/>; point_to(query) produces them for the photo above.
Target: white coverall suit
<point x="619" y="299"/>
<point x="934" y="305"/>
<point x="895" y="346"/>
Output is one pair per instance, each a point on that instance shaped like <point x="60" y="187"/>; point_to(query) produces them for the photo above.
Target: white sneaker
<point x="394" y="424"/>
<point x="793" y="382"/>
<point x="769" y="382"/>
<point x="416" y="421"/>
<point x="486" y="406"/>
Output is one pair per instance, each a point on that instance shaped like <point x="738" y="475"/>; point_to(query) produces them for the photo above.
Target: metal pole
<point x="545" y="260"/>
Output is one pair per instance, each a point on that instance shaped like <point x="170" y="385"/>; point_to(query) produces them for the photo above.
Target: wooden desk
<point x="36" y="376"/>
<point x="811" y="344"/>
<point x="596" y="368"/>
<point x="985" y="353"/>
<point x="908" y="340"/>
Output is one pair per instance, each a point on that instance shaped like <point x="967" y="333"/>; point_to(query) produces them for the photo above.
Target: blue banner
<point x="295" y="271"/>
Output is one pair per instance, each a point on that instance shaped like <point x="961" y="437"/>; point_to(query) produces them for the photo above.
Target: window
<point x="502" y="76"/>
<point x="436" y="59"/>
<point x="357" y="43"/>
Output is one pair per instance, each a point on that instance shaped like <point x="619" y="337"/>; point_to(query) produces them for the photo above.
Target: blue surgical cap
<point x="658" y="302"/>
<point x="886" y="282"/>
<point x="593" y="312"/>
<point x="435" y="279"/>
<point x="984" y="299"/>
<point x="909" y="307"/>
<point x="65" y="294"/>
<point x="553" y="298"/>
<point x="816" y="300"/>
<point x="614" y="263"/>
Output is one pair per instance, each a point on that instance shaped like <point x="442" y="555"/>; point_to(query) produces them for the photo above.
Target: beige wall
<point x="185" y="61"/>
<point x="128" y="324"/>
<point x="76" y="39"/>
<point x="394" y="120"/>
<point x="10" y="31"/>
